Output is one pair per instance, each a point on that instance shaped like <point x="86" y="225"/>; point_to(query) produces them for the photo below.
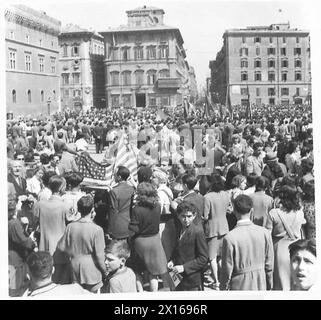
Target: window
<point x="257" y="63"/>
<point x="297" y="63"/>
<point x="244" y="63"/>
<point x="65" y="79"/>
<point x="244" y="76"/>
<point x="257" y="51"/>
<point x="28" y="62"/>
<point x="272" y="101"/>
<point x="138" y="53"/>
<point x="271" y="63"/>
<point x="163" y="52"/>
<point x="53" y="65"/>
<point x="257" y="76"/>
<point x="77" y="93"/>
<point x="40" y="42"/>
<point x="27" y="39"/>
<point x="243" y="40"/>
<point x="75" y="51"/>
<point x="152" y="100"/>
<point x="271" y="91"/>
<point x="14" y="96"/>
<point x="114" y="54"/>
<point x="126" y="100"/>
<point x="284" y="39"/>
<point x="151" y="52"/>
<point x="284" y="76"/>
<point x="42" y="96"/>
<point x="257" y="39"/>
<point x="11" y="35"/>
<point x="29" y="96"/>
<point x="258" y="93"/>
<point x="258" y="101"/>
<point x="271" y="76"/>
<point x="284" y="63"/>
<point x="151" y="77"/>
<point x="297" y="91"/>
<point x="139" y="77"/>
<point x="283" y="51"/>
<point x="76" y="78"/>
<point x="66" y="93"/>
<point x="297" y="51"/>
<point x="244" y="91"/>
<point x="297" y="40"/>
<point x="271" y="40"/>
<point x="244" y="51"/>
<point x="164" y="73"/>
<point x="115" y="101"/>
<point x="126" y="78"/>
<point x="125" y="53"/>
<point x="285" y="102"/>
<point x="65" y="50"/>
<point x="12" y="59"/>
<point x="298" y="76"/>
<point x="41" y="64"/>
<point x="271" y="51"/>
<point x="114" y="78"/>
<point x="164" y="101"/>
<point x="284" y="91"/>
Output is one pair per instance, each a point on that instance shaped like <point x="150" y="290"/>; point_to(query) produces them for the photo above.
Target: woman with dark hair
<point x="216" y="205"/>
<point x="71" y="197"/>
<point x="147" y="253"/>
<point x="293" y="157"/>
<point x="309" y="209"/>
<point x="303" y="264"/>
<point x="285" y="224"/>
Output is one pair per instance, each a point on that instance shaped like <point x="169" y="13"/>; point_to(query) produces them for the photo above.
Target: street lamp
<point x="48" y="105"/>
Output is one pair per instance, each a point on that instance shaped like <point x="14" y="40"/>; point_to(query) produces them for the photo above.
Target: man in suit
<point x="190" y="256"/>
<point x="247" y="252"/>
<point x="15" y="177"/>
<point x="98" y="132"/>
<point x="119" y="201"/>
<point x="254" y="163"/>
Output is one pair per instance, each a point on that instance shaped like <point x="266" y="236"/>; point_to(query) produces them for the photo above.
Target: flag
<point x="94" y="172"/>
<point x="114" y="42"/>
<point x="186" y="108"/>
<point x="208" y="106"/>
<point x="228" y="101"/>
<point x="126" y="157"/>
<point x="248" y="107"/>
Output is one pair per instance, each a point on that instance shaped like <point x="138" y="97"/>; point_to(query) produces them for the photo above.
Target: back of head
<point x="146" y="195"/>
<point x="74" y="179"/>
<point x="85" y="205"/>
<point x="56" y="183"/>
<point x="190" y="180"/>
<point x="243" y="204"/>
<point x="40" y="265"/>
<point x="251" y="179"/>
<point x="123" y="173"/>
<point x="261" y="183"/>
<point x="144" y="174"/>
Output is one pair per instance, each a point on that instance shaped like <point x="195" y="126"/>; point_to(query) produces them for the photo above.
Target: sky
<point x="201" y="23"/>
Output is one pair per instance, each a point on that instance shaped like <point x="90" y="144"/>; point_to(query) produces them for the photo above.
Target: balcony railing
<point x="169" y="83"/>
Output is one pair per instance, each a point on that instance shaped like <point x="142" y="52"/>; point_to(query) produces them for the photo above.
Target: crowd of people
<point x="225" y="203"/>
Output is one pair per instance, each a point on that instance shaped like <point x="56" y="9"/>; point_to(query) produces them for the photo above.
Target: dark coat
<point x="98" y="132"/>
<point x="191" y="252"/>
<point x="198" y="201"/>
<point x="20" y="189"/>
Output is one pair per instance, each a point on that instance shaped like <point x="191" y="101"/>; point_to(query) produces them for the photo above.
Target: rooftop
<point x="74" y="28"/>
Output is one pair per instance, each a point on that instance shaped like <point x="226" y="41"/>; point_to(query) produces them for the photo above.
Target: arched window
<point x="114" y="78"/>
<point x="29" y="96"/>
<point x="42" y="96"/>
<point x="164" y="73"/>
<point x="126" y="78"/>
<point x="14" y="96"/>
<point x="139" y="77"/>
<point x="151" y="77"/>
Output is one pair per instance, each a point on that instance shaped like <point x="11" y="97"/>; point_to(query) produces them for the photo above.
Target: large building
<point x="145" y="62"/>
<point x="32" y="53"/>
<point x="268" y="64"/>
<point x="81" y="69"/>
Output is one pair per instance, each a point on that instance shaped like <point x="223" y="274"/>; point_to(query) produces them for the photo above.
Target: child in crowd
<point x="120" y="278"/>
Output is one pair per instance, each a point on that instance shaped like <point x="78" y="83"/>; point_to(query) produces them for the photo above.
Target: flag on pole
<point x="228" y="101"/>
<point x="114" y="42"/>
<point x="186" y="108"/>
<point x="248" y="107"/>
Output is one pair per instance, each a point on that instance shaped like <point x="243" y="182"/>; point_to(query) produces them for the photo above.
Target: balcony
<point x="168" y="83"/>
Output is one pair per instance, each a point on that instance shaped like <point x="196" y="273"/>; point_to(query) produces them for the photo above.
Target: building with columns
<point x="32" y="54"/>
<point x="81" y="69"/>
<point x="145" y="62"/>
<point x="268" y="64"/>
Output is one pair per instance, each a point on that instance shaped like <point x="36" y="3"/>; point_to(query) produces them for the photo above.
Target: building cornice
<point x="32" y="45"/>
<point x="33" y="73"/>
<point x="265" y="33"/>
<point x="30" y="23"/>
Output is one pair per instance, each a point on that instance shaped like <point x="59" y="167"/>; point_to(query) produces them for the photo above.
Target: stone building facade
<point x="32" y="54"/>
<point x="269" y="65"/>
<point x="81" y="69"/>
<point x="145" y="62"/>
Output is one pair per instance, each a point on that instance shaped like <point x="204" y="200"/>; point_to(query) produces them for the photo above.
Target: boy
<point x="120" y="278"/>
<point x="191" y="254"/>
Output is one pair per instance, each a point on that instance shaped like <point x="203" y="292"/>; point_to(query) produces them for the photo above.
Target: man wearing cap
<point x="273" y="169"/>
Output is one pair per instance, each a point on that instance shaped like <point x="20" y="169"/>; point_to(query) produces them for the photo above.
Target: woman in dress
<point x="285" y="225"/>
<point x="217" y="202"/>
<point x="84" y="243"/>
<point x="147" y="251"/>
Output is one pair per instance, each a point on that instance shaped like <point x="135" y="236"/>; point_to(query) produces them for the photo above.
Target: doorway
<point x="140" y="100"/>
